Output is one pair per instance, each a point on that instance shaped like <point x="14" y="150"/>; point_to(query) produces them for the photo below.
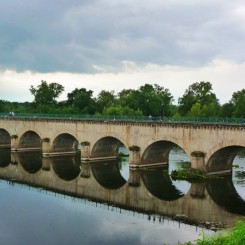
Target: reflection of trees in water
<point x="107" y="174"/>
<point x="240" y="174"/>
<point x="66" y="167"/>
<point x="5" y="157"/>
<point x="122" y="162"/>
<point x="31" y="161"/>
<point x="183" y="165"/>
<point x="159" y="184"/>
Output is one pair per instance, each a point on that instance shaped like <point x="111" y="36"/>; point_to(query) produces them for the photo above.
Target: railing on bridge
<point x="125" y="118"/>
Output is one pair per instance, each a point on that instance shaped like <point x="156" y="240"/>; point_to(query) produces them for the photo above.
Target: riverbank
<point x="233" y="236"/>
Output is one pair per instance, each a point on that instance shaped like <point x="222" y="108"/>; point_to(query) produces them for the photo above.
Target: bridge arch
<point x="65" y="143"/>
<point x="30" y="140"/>
<point x="5" y="139"/>
<point x="158" y="152"/>
<point x="106" y="147"/>
<point x="221" y="157"/>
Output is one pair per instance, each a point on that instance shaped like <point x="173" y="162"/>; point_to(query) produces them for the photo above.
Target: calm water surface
<point x="100" y="213"/>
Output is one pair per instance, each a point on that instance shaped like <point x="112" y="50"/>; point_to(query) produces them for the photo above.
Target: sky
<point x="114" y="45"/>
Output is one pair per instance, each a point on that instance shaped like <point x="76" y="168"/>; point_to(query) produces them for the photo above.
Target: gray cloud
<point x="75" y="35"/>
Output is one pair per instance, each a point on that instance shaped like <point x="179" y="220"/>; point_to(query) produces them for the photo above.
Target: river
<point x="63" y="201"/>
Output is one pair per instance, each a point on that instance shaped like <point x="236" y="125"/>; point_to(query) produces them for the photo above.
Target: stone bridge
<point x="210" y="147"/>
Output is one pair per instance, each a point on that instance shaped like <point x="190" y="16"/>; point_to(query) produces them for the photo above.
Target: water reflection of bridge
<point x="150" y="191"/>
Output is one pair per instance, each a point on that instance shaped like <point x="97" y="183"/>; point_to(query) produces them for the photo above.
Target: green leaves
<point x="199" y="100"/>
<point x="46" y="94"/>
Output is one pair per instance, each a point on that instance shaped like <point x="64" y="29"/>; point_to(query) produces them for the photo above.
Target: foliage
<point x="148" y="100"/>
<point x="46" y="94"/>
<point x="188" y="174"/>
<point x="105" y="99"/>
<point x="238" y="102"/>
<point x="82" y="100"/>
<point x="232" y="237"/>
<point x="199" y="100"/>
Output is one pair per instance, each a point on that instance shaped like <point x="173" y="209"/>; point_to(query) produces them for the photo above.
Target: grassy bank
<point x="234" y="236"/>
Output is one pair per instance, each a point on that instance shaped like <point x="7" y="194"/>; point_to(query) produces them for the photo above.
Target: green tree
<point x="227" y="109"/>
<point x="199" y="93"/>
<point x="152" y="100"/>
<point x="46" y="94"/>
<point x="238" y="102"/>
<point x="195" y="110"/>
<point x="117" y="110"/>
<point x="104" y="100"/>
<point x="2" y="106"/>
<point x="82" y="100"/>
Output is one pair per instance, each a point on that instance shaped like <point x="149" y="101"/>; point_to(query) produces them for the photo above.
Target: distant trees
<point x="198" y="100"/>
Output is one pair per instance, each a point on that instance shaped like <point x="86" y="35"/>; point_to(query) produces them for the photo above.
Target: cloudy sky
<point x="112" y="45"/>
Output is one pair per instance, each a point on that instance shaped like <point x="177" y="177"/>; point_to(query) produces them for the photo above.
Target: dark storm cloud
<point x="74" y="35"/>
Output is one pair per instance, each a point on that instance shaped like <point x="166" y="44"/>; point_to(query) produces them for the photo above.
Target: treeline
<point x="198" y="100"/>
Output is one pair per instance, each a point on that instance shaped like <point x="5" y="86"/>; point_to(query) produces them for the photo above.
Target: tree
<point x="227" y="110"/>
<point x="152" y="100"/>
<point x="238" y="102"/>
<point x="199" y="93"/>
<point x="82" y="100"/>
<point x="46" y="94"/>
<point x="195" y="110"/>
<point x="2" y="106"/>
<point x="104" y="100"/>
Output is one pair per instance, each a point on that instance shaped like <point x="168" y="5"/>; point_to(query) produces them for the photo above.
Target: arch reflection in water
<point x="107" y="174"/>
<point x="159" y="184"/>
<point x="223" y="192"/>
<point x="66" y="167"/>
<point x="5" y="157"/>
<point x="98" y="179"/>
<point x="30" y="161"/>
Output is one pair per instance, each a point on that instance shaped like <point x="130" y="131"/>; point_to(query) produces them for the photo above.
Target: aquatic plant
<point x="188" y="174"/>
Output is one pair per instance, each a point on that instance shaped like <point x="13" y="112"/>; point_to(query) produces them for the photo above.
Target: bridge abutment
<point x="198" y="161"/>
<point x="134" y="156"/>
<point x="85" y="150"/>
<point x="14" y="142"/>
<point x="46" y="146"/>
